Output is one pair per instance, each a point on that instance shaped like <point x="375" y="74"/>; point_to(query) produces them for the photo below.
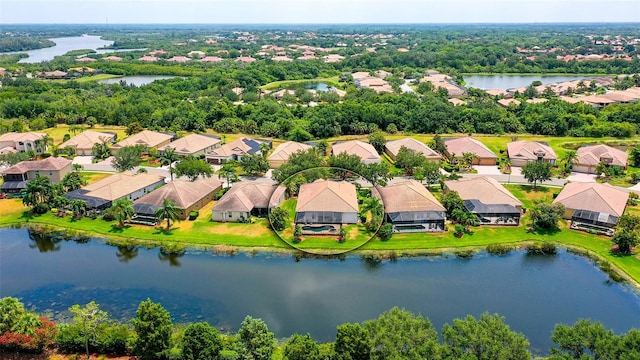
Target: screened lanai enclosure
<point x="493" y="214"/>
<point x="594" y="221"/>
<point x="417" y="221"/>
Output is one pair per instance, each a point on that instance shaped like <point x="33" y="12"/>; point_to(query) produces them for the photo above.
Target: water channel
<point x="312" y="295"/>
<point x="137" y="80"/>
<point x="505" y="81"/>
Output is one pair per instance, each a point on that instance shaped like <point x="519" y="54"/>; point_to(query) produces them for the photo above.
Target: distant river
<point x="504" y="82"/>
<point x="63" y="45"/>
<point x="312" y="295"/>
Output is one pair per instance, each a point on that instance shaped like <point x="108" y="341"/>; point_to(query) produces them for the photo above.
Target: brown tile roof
<point x="241" y="146"/>
<point x="592" y="155"/>
<point x="529" y="150"/>
<point x="485" y="189"/>
<point x="86" y="139"/>
<point x="147" y="138"/>
<point x="183" y="193"/>
<point x="394" y="146"/>
<point x="246" y="195"/>
<point x="595" y="197"/>
<point x="364" y="150"/>
<point x="327" y="195"/>
<point x="408" y="196"/>
<point x="463" y="145"/>
<point x="121" y="184"/>
<point x="27" y="136"/>
<point x="507" y="102"/>
<point x="284" y="150"/>
<point x="48" y="164"/>
<point x="192" y="143"/>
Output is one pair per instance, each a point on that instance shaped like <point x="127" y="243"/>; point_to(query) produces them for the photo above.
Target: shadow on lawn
<point x="164" y="231"/>
<point x="117" y="229"/>
<point x="530" y="189"/>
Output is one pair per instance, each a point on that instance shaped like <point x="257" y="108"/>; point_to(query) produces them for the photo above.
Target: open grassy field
<point x="333" y="81"/>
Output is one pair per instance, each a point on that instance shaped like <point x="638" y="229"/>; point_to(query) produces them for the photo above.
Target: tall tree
<point x="485" y="338"/>
<point x="201" y="341"/>
<point x="546" y="216"/>
<point x="429" y="171"/>
<point x="100" y="150"/>
<point x="168" y="157"/>
<point x="570" y="158"/>
<point x="378" y="141"/>
<point x="122" y="210"/>
<point x="585" y="340"/>
<point x="345" y="164"/>
<point x="193" y="168"/>
<point x="352" y="342"/>
<point x="153" y="327"/>
<point x="88" y="318"/>
<point x="398" y="334"/>
<point x="168" y="211"/>
<point x="535" y="171"/>
<point x="72" y="181"/>
<point x="127" y="158"/>
<point x="301" y="347"/>
<point x="376" y="173"/>
<point x="409" y="160"/>
<point x="78" y="207"/>
<point x="228" y="171"/>
<point x="38" y="191"/>
<point x="254" y="164"/>
<point x="256" y="338"/>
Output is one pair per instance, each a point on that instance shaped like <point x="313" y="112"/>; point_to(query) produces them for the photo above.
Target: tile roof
<point x="530" y="150"/>
<point x="593" y="154"/>
<point x="394" y="146"/>
<point x="485" y="189"/>
<point x="183" y="193"/>
<point x="327" y="195"/>
<point x="26" y="136"/>
<point x="364" y="150"/>
<point x="602" y="198"/>
<point x="247" y="195"/>
<point x="121" y="184"/>
<point x="86" y="139"/>
<point x="408" y="196"/>
<point x="463" y="145"/>
<point x="241" y="146"/>
<point x="285" y="150"/>
<point x="147" y="138"/>
<point x="48" y="164"/>
<point x="192" y="143"/>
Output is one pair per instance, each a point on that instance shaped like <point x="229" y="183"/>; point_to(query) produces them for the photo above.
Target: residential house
<point x="410" y="207"/>
<point x="235" y="150"/>
<point x="193" y="144"/>
<point x="282" y="153"/>
<point x="20" y="142"/>
<point x="186" y="195"/>
<point x="491" y="202"/>
<point x="83" y="143"/>
<point x="365" y="151"/>
<point x="521" y="152"/>
<point x="458" y="146"/>
<point x="246" y="199"/>
<point x="325" y="205"/>
<point x="392" y="148"/>
<point x="126" y="185"/>
<point x="507" y="102"/>
<point x="147" y="138"/>
<point x="592" y="206"/>
<point x="15" y="178"/>
<point x="589" y="157"/>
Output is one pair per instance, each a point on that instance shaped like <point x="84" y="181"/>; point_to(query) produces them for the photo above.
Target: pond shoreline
<point x="614" y="272"/>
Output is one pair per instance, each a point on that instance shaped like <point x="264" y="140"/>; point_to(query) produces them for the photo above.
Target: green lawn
<point x="57" y="133"/>
<point x="333" y="81"/>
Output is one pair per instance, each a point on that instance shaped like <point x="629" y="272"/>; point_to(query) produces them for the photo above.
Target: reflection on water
<point x="300" y="293"/>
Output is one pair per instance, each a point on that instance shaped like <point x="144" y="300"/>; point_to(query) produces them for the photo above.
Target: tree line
<point x="395" y="334"/>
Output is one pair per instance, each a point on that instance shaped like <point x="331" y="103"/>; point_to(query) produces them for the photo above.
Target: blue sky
<point x="317" y="11"/>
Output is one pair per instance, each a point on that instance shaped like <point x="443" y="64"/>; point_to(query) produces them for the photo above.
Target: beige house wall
<point x="54" y="175"/>
<point x="229" y="216"/>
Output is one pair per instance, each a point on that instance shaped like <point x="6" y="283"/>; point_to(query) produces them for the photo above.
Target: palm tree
<point x="42" y="144"/>
<point x="78" y="207"/>
<point x="126" y="253"/>
<point x="376" y="208"/>
<point x="570" y="158"/>
<point x="122" y="210"/>
<point x="37" y="191"/>
<point x="168" y="157"/>
<point x="228" y="171"/>
<point x="264" y="150"/>
<point x="167" y="211"/>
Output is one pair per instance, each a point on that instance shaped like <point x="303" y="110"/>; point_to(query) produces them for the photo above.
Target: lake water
<point x="505" y="82"/>
<point x="137" y="80"/>
<point x="63" y="45"/>
<point x="313" y="295"/>
<point x="319" y="86"/>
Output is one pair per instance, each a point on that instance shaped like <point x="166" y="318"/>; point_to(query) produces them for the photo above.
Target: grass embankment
<point x="333" y="81"/>
<point x="57" y="133"/>
<point x="202" y="232"/>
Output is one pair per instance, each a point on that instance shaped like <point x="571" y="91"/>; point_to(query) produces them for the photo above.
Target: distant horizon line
<point x="344" y="23"/>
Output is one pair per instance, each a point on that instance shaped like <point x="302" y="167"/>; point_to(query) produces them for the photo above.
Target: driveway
<point x="579" y="177"/>
<point x="487" y="170"/>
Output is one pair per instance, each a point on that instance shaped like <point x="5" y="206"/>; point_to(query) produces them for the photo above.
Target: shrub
<point x="108" y="216"/>
<point x="41" y="208"/>
<point x="458" y="230"/>
<point x="386" y="232"/>
<point x="499" y="249"/>
<point x="54" y="210"/>
<point x="633" y="199"/>
<point x="113" y="340"/>
<point x="464" y="254"/>
<point x="194" y="215"/>
<point x="541" y="248"/>
<point x="70" y="339"/>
